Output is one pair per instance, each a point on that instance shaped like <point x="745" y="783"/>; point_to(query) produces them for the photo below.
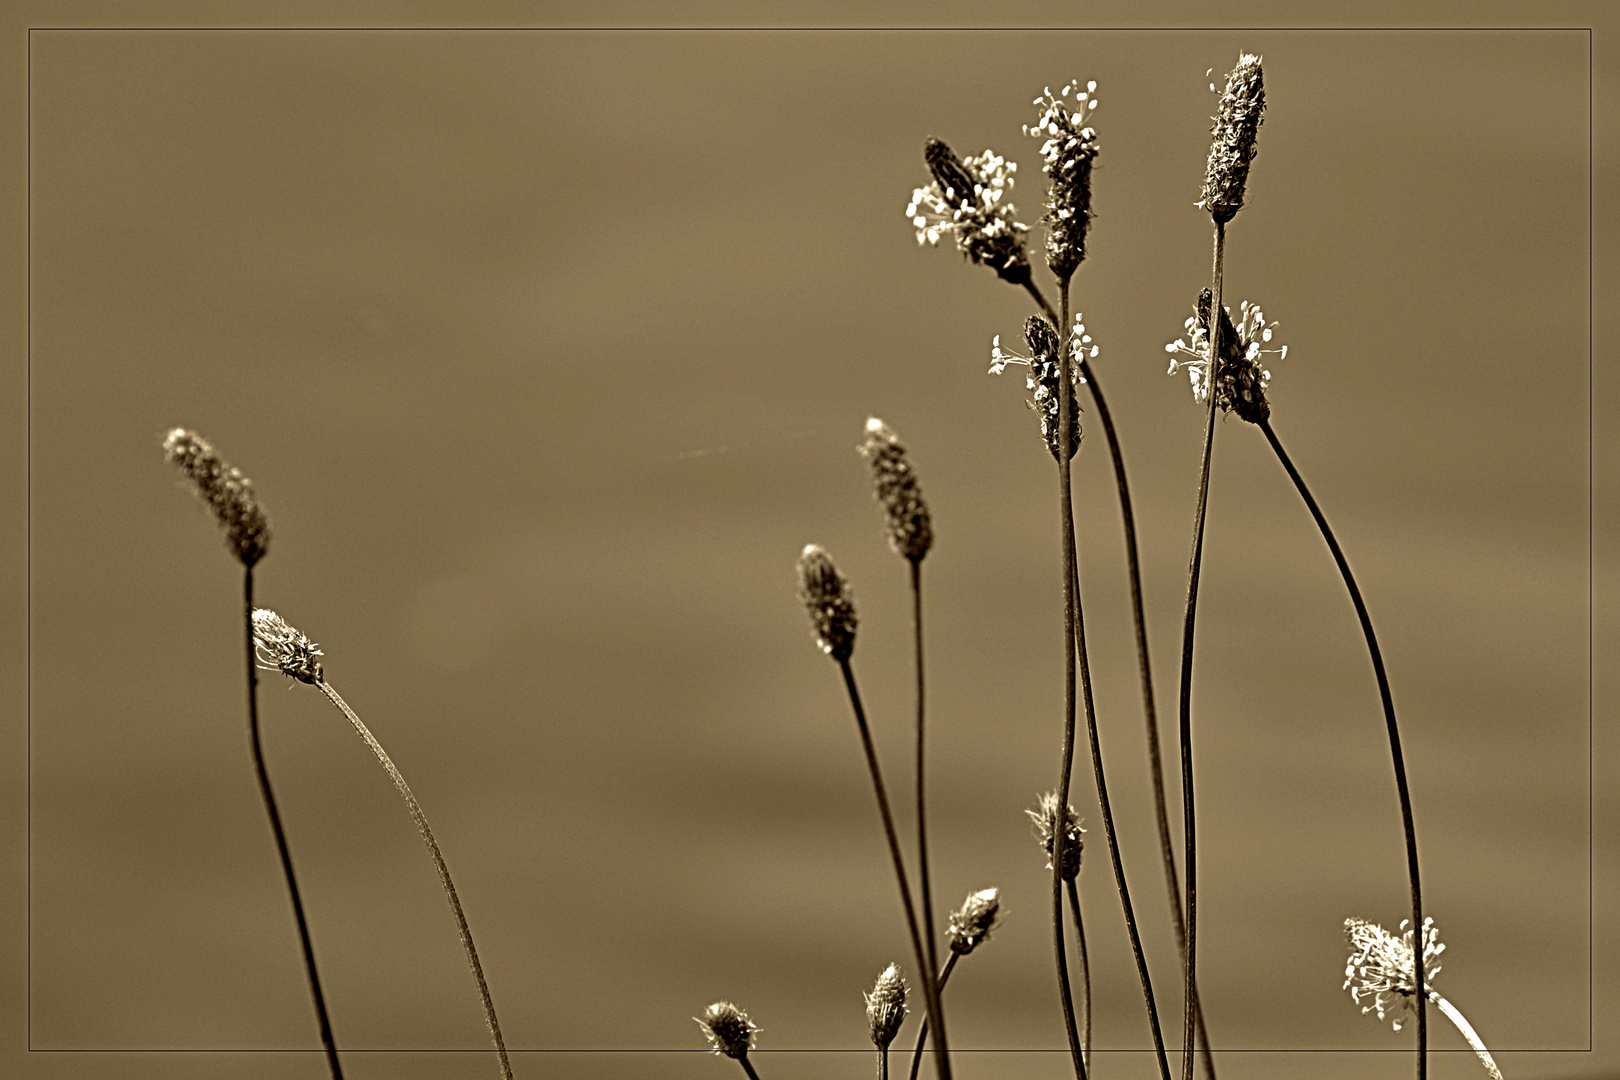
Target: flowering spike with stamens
<point x="1380" y="967"/>
<point x="1042" y="381"/>
<point x="279" y="647"/>
<point x="1045" y="820"/>
<point x="968" y="201"/>
<point x="886" y="1006"/>
<point x="1067" y="157"/>
<point x="894" y="484"/>
<point x="227" y="492"/>
<point x="730" y="1032"/>
<point x="1232" y="147"/>
<point x="970" y="925"/>
<point x="831" y="603"/>
<point x="1240" y="380"/>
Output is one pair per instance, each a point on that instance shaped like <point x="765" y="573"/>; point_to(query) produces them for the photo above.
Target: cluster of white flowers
<point x="1380" y="967"/>
<point x="1080" y="347"/>
<point x="983" y="214"/>
<point x="1253" y="334"/>
<point x="1064" y="125"/>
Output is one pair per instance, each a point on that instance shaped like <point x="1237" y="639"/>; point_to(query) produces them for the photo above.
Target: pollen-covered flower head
<point x="894" y="485"/>
<point x="1042" y="381"/>
<point x="1045" y="818"/>
<point x="1240" y="379"/>
<point x="831" y="603"/>
<point x="227" y="492"/>
<point x="1232" y="144"/>
<point x="728" y="1028"/>
<point x="886" y="1006"/>
<point x="1381" y="968"/>
<point x="970" y="924"/>
<point x="1067" y="156"/>
<point x="278" y="647"/>
<point x="968" y="201"/>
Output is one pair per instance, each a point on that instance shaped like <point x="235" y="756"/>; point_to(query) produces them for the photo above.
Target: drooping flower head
<point x="728" y="1028"/>
<point x="968" y="200"/>
<point x="886" y="1006"/>
<point x="827" y="596"/>
<point x="1232" y="145"/>
<point x="1067" y="156"/>
<point x="1381" y="964"/>
<point x="227" y="492"/>
<point x="1042" y="381"/>
<point x="279" y="647"/>
<point x="1240" y="380"/>
<point x="970" y="925"/>
<point x="1045" y="817"/>
<point x="894" y="485"/>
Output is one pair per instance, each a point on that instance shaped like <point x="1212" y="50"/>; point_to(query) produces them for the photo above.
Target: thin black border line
<point x="969" y="29"/>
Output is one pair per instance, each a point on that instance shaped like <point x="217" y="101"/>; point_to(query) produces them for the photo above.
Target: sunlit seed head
<point x="227" y="492"/>
<point x="886" y="1006"/>
<point x="729" y="1031"/>
<point x="279" y="647"/>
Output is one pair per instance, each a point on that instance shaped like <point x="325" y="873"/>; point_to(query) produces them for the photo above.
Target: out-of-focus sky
<point x="547" y="350"/>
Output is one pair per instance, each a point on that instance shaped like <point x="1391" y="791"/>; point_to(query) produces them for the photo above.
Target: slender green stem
<point x="438" y="864"/>
<point x="748" y="1067"/>
<point x="1468" y="1033"/>
<point x="1189" y="835"/>
<point x="942" y="1061"/>
<point x="922" y="1029"/>
<point x="922" y="805"/>
<point x="1085" y="971"/>
<point x="1070" y="608"/>
<point x="1399" y="761"/>
<point x="281" y="839"/>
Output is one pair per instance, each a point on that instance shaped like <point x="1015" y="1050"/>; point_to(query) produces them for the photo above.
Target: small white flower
<point x="1381" y="964"/>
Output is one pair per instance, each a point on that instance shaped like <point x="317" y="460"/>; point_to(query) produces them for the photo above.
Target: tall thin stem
<point x="1070" y="610"/>
<point x="1189" y="836"/>
<point x="438" y="864"/>
<point x="748" y="1067"/>
<point x="1085" y="970"/>
<point x="1395" y="754"/>
<point x="942" y="1061"/>
<point x="922" y="1029"/>
<point x="922" y="804"/>
<point x="1468" y="1033"/>
<point x="281" y="838"/>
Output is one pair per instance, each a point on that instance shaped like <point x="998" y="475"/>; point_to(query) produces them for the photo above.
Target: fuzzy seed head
<point x="1232" y="146"/>
<point x="1067" y="156"/>
<point x="831" y="603"/>
<point x="1381" y="967"/>
<point x="728" y="1029"/>
<point x="278" y="647"/>
<point x="970" y="925"/>
<point x="1045" y="817"/>
<point x="968" y="201"/>
<point x="894" y="485"/>
<point x="227" y="492"/>
<point x="886" y="1006"/>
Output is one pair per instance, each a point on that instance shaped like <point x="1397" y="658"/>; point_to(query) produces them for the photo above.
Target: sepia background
<point x="547" y="351"/>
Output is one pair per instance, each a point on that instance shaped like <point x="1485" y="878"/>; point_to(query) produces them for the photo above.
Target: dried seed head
<point x="1240" y="379"/>
<point x="1237" y="123"/>
<point x="970" y="925"/>
<point x="886" y="1006"/>
<point x="728" y="1028"/>
<point x="1381" y="967"/>
<point x="894" y="485"/>
<point x="827" y="596"/>
<point x="1045" y="818"/>
<point x="967" y="200"/>
<point x="1067" y="157"/>
<point x="227" y="492"/>
<point x="278" y="647"/>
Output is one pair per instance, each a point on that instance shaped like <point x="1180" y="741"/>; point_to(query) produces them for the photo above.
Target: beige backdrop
<point x="548" y="351"/>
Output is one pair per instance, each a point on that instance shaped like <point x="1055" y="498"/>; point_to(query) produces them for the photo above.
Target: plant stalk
<point x="1085" y="971"/>
<point x="1468" y="1033"/>
<point x="922" y="1029"/>
<point x="922" y="805"/>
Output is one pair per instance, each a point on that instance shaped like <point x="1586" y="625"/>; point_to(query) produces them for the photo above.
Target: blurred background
<point x="548" y="351"/>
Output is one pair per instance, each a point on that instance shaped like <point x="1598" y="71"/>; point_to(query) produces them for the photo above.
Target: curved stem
<point x="281" y="839"/>
<point x="1468" y="1033"/>
<point x="1070" y="609"/>
<point x="1395" y="754"/>
<point x="1189" y="837"/>
<point x="922" y="1029"/>
<point x="1085" y="970"/>
<point x="942" y="1061"/>
<point x="922" y="807"/>
<point x="438" y="864"/>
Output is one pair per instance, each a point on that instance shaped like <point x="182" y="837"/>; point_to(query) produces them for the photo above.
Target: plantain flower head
<point x="728" y="1028"/>
<point x="227" y="492"/>
<point x="831" y="603"/>
<point x="970" y="925"/>
<point x="968" y="201"/>
<point x="1241" y="379"/>
<point x="1067" y="156"/>
<point x="1380" y="968"/>
<point x="278" y="647"/>
<point x="886" y="1006"/>
<point x="1042" y="381"/>
<point x="1232" y="145"/>
<point x="1045" y="817"/>
<point x="894" y="485"/>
